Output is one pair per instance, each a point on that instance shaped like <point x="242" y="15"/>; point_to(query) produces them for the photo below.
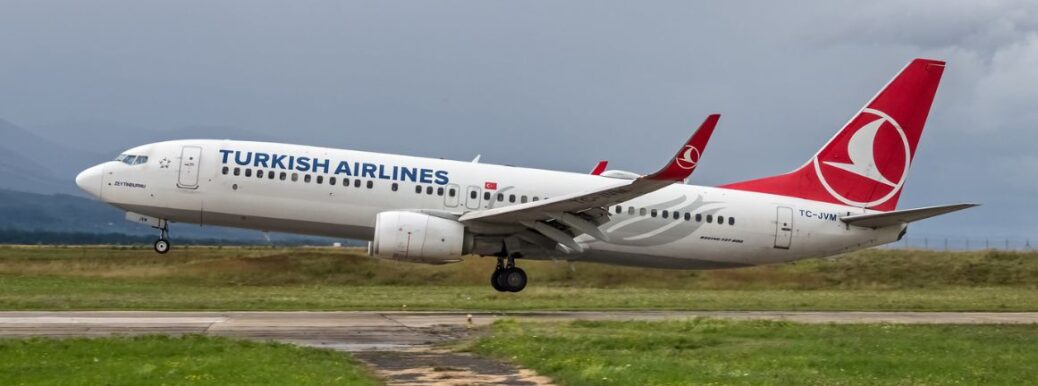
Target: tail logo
<point x="876" y="154"/>
<point x="689" y="158"/>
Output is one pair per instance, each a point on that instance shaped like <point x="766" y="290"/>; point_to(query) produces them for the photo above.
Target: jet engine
<point x="419" y="238"/>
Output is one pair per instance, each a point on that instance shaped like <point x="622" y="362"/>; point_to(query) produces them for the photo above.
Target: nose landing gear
<point x="506" y="276"/>
<point x="162" y="244"/>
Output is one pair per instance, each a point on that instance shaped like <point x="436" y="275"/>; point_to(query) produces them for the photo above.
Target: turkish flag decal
<point x="490" y="185"/>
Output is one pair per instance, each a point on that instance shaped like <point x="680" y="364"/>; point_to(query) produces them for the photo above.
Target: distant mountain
<point x="30" y="163"/>
<point x="24" y="211"/>
<point x="46" y="159"/>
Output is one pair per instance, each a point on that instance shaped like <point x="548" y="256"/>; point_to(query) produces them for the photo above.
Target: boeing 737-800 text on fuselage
<point x="436" y="211"/>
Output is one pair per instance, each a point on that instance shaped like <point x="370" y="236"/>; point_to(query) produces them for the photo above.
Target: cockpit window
<point x="131" y="159"/>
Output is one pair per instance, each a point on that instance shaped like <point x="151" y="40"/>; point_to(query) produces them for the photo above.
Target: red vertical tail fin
<point x="866" y="164"/>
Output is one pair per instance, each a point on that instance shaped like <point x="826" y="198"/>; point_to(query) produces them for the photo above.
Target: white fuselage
<point x="185" y="181"/>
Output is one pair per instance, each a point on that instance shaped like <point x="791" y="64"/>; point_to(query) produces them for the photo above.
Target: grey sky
<point x="550" y="84"/>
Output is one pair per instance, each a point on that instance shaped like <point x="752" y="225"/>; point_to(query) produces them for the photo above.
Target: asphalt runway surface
<point x="404" y="347"/>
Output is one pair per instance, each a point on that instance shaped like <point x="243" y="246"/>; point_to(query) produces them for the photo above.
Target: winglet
<point x="599" y="168"/>
<point x="685" y="161"/>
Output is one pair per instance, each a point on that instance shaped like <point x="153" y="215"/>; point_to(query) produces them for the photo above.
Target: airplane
<point x="436" y="211"/>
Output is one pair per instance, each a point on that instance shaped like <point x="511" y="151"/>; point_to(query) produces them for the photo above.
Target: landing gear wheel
<point x="494" y="277"/>
<point x="514" y="279"/>
<point x="162" y="246"/>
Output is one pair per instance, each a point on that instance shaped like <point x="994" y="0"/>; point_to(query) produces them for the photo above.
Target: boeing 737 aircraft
<point x="436" y="211"/>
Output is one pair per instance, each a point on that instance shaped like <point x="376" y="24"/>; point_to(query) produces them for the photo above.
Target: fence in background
<point x="962" y="243"/>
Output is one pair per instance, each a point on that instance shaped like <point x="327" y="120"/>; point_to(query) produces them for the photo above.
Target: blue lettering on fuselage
<point x="345" y="168"/>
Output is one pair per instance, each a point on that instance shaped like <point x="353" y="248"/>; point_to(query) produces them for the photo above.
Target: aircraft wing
<point x="566" y="209"/>
<point x="904" y="216"/>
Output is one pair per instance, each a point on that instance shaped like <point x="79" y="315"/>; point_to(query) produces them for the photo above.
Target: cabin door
<point x="190" y="158"/>
<point x="784" y="228"/>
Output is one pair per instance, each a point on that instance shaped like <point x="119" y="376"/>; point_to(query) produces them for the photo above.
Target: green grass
<point x="718" y="352"/>
<point x="187" y="360"/>
<point x="200" y="278"/>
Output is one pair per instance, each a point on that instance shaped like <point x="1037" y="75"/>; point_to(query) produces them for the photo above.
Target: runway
<point x="402" y="346"/>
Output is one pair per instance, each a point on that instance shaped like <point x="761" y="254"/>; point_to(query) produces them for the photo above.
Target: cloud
<point x="991" y="48"/>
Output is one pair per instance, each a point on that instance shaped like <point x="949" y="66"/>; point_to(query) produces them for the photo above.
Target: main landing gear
<point x="507" y="277"/>
<point x="162" y="244"/>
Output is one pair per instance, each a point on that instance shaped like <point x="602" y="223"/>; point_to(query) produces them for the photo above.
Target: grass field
<point x="163" y="360"/>
<point x="257" y="278"/>
<point x="718" y="352"/>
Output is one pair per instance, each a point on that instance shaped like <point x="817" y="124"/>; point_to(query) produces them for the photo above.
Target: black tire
<point x="514" y="279"/>
<point x="161" y="246"/>
<point x="495" y="280"/>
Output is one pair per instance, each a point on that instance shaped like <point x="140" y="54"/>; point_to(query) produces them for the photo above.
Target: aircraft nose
<point x="90" y="180"/>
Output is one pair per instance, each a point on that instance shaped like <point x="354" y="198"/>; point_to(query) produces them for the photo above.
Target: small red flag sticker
<point x="490" y="185"/>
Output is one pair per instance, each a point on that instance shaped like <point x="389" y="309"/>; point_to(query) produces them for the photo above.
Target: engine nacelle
<point x="419" y="238"/>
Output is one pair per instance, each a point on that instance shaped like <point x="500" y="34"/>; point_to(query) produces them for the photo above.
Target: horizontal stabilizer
<point x="901" y="216"/>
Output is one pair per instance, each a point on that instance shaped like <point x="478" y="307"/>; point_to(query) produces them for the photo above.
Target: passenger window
<point x="270" y="175"/>
<point x="418" y="189"/>
<point x="259" y="173"/>
<point x="699" y="217"/>
<point x="248" y="172"/>
<point x="452" y="192"/>
<point x="320" y="179"/>
<point x="371" y="184"/>
<point x="688" y="216"/>
<point x="346" y="182"/>
<point x="395" y="186"/>
<point x="486" y="196"/>
<point x="664" y="214"/>
<point x="653" y="213"/>
<point x="535" y="198"/>
<point x="619" y="209"/>
<point x="226" y="170"/>
<point x="428" y="190"/>
<point x="331" y="181"/>
<point x="237" y="171"/>
<point x="630" y="210"/>
<point x="295" y="177"/>
<point x="641" y="211"/>
<point x="731" y="221"/>
<point x="720" y="219"/>
<point x="306" y="178"/>
<point x="282" y="176"/>
<point x="356" y="183"/>
<point x="439" y="192"/>
<point x="522" y="199"/>
<point x="511" y="198"/>
<point x="709" y="218"/>
<point x="500" y="197"/>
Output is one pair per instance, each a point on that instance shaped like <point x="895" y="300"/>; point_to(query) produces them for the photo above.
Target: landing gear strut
<point x="162" y="244"/>
<point x="507" y="277"/>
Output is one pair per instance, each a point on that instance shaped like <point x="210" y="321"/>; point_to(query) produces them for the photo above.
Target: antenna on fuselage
<point x="476" y="160"/>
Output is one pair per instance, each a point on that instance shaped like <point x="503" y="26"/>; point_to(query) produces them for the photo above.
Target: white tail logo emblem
<point x="861" y="151"/>
<point x="689" y="158"/>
